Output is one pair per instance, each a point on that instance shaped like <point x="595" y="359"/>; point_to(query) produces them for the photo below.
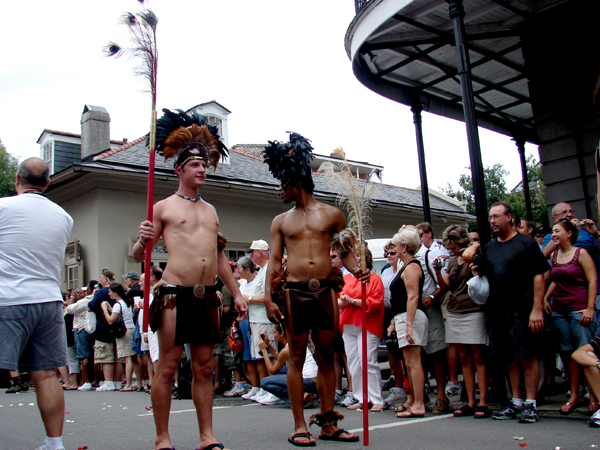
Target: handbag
<point x="90" y="322"/>
<point x="235" y="337"/>
<point x="478" y="288"/>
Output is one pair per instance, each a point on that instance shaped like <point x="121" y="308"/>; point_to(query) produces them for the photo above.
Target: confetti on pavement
<point x="82" y="448"/>
<point x="69" y="421"/>
<point x="518" y="438"/>
<point x="522" y="445"/>
<point x="20" y="404"/>
<point x="31" y="404"/>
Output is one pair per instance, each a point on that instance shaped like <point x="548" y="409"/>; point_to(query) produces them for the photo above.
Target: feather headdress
<point x="355" y="196"/>
<point x="289" y="162"/>
<point x="188" y="136"/>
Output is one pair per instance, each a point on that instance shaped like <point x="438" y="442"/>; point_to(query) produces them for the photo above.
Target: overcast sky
<point x="277" y="65"/>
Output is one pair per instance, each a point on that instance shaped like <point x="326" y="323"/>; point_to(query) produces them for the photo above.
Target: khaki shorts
<point x="257" y="329"/>
<point x="419" y="329"/>
<point x="104" y="352"/>
<point x="124" y="344"/>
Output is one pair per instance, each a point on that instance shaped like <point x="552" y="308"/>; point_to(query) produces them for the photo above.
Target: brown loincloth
<point x="311" y="302"/>
<point x="197" y="317"/>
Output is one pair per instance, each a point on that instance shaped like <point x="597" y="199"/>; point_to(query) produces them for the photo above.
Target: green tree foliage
<point x="496" y="191"/>
<point x="8" y="169"/>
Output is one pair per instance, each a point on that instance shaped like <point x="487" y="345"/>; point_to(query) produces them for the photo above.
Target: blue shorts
<point x="245" y="327"/>
<point x="33" y="337"/>
<point x="571" y="334"/>
<point x="84" y="343"/>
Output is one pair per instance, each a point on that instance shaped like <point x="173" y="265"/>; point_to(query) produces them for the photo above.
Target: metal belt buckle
<point x="199" y="290"/>
<point x="314" y="284"/>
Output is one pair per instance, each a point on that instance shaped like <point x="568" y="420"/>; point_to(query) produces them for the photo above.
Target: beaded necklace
<point x="185" y="197"/>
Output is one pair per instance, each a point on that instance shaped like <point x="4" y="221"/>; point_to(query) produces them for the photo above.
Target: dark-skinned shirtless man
<point x="309" y="301"/>
<point x="187" y="306"/>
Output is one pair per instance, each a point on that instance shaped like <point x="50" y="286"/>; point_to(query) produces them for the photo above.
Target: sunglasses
<point x="334" y="256"/>
<point x="391" y="253"/>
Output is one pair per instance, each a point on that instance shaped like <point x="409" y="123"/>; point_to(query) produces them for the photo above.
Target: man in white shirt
<point x="34" y="233"/>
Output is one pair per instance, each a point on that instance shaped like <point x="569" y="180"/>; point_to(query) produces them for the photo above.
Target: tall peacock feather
<point x="356" y="197"/>
<point x="142" y="48"/>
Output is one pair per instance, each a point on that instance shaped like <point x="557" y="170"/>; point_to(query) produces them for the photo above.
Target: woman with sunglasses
<point x="571" y="299"/>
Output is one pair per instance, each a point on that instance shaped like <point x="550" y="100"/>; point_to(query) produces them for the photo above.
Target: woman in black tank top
<point x="410" y="322"/>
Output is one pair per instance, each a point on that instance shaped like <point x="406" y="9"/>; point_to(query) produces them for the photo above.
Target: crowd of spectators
<point x="542" y="301"/>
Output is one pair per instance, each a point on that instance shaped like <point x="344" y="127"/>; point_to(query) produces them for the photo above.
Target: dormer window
<point x="48" y="155"/>
<point x="214" y="120"/>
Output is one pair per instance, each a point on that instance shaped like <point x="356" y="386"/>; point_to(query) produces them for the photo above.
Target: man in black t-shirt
<point x="516" y="276"/>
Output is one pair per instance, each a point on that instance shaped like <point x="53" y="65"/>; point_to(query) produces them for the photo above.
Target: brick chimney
<point x="95" y="130"/>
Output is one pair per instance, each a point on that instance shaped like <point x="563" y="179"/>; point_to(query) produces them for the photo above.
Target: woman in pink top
<point x="571" y="298"/>
<point x="350" y="304"/>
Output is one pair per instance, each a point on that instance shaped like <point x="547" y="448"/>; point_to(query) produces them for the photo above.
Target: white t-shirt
<point x="310" y="368"/>
<point x="429" y="282"/>
<point x="34" y="233"/>
<point x="121" y="306"/>
<point x="387" y="276"/>
<point x="258" y="313"/>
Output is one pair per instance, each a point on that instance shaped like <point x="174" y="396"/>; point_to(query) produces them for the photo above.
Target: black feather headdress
<point x="187" y="136"/>
<point x="289" y="162"/>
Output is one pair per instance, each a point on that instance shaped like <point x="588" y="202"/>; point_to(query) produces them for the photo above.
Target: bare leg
<point x="128" y="373"/>
<point x="439" y="361"/>
<point x="514" y="374"/>
<point x="50" y="400"/>
<point x="464" y="352"/>
<point x="573" y="370"/>
<point x="453" y="363"/>
<point x="137" y="368"/>
<point x="345" y="359"/>
<point x="108" y="370"/>
<point x="337" y="365"/>
<point x="202" y="390"/>
<point x="295" y="382"/>
<point x="84" y="370"/>
<point x="118" y="374"/>
<point x="170" y="354"/>
<point x="64" y="375"/>
<point x="592" y="375"/>
<point x="253" y="373"/>
<point x="482" y="373"/>
<point x="217" y="372"/>
<point x="531" y="370"/>
<point x="416" y="378"/>
<point x="262" y="370"/>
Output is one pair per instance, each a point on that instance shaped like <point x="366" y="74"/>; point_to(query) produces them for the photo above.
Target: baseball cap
<point x="258" y="245"/>
<point x="132" y="275"/>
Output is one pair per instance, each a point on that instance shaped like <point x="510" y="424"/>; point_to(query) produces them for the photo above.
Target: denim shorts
<point x="84" y="343"/>
<point x="33" y="337"/>
<point x="571" y="334"/>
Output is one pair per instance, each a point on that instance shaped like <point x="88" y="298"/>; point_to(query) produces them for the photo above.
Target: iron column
<point x="416" y="109"/>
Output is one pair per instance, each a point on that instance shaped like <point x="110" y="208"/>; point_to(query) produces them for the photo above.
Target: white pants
<point x="153" y="345"/>
<point x="353" y="344"/>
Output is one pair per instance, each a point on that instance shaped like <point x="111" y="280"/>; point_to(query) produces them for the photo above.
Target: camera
<point x="442" y="261"/>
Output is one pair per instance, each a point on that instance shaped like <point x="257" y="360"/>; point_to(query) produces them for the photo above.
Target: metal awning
<point x="406" y="48"/>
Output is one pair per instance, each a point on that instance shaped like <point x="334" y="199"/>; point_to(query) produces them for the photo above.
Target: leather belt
<point x="198" y="290"/>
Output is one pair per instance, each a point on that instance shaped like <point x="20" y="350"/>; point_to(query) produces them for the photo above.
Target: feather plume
<point x="141" y="46"/>
<point x="356" y="196"/>
<point x="289" y="162"/>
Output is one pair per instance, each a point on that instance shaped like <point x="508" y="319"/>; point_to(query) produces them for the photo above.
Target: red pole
<point x="365" y="374"/>
<point x="149" y="216"/>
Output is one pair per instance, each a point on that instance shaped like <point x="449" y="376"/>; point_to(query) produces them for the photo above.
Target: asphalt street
<point x="118" y="420"/>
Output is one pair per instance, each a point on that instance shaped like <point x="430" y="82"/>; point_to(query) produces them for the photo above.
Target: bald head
<point x="33" y="173"/>
<point x="562" y="211"/>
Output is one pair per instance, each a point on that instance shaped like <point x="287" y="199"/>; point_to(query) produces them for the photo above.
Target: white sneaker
<point x="251" y="394"/>
<point x="118" y="386"/>
<point x="594" y="421"/>
<point x="349" y="400"/>
<point x="43" y="447"/>
<point x="453" y="388"/>
<point x="85" y="387"/>
<point x="397" y="395"/>
<point x="270" y="399"/>
<point x="107" y="386"/>
<point x="234" y="392"/>
<point x="260" y="396"/>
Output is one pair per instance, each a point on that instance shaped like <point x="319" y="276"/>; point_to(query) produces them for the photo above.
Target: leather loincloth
<point x="197" y="314"/>
<point x="311" y="302"/>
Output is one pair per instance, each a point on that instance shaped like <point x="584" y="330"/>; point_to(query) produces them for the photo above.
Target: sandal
<point x="594" y="406"/>
<point x="337" y="436"/>
<point x="401" y="408"/>
<point x="311" y="441"/>
<point x="569" y="407"/>
<point x="409" y="413"/>
<point x="464" y="411"/>
<point x="482" y="412"/>
<point x="377" y="408"/>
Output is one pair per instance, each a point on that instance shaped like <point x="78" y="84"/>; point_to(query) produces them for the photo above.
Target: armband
<point x="221" y="241"/>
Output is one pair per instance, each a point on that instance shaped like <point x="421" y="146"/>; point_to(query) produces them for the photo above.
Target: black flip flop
<point x="213" y="446"/>
<point x="465" y="411"/>
<point x="485" y="413"/>
<point x="337" y="437"/>
<point x="311" y="443"/>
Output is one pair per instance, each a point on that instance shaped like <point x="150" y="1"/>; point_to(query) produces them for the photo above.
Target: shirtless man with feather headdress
<point x="304" y="296"/>
<point x="185" y="306"/>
